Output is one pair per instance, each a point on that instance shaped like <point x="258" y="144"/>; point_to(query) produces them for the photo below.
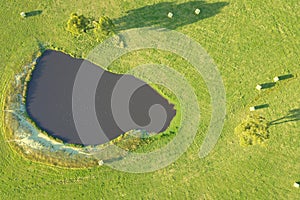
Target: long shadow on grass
<point x="292" y="116"/>
<point x="156" y="15"/>
<point x="33" y="13"/>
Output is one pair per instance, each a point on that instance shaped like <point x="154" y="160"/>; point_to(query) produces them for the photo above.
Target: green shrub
<point x="103" y="28"/>
<point x="77" y="24"/>
<point x="131" y="141"/>
<point x="254" y="130"/>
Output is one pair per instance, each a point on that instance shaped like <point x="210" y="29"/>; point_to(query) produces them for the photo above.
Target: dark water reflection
<point x="49" y="99"/>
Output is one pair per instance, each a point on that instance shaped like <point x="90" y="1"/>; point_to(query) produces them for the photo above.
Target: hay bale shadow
<point x="268" y="85"/>
<point x="262" y="106"/>
<point x="33" y="13"/>
<point x="287" y="76"/>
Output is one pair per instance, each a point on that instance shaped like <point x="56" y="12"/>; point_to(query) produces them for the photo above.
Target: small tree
<point x="254" y="130"/>
<point x="77" y="24"/>
<point x="103" y="28"/>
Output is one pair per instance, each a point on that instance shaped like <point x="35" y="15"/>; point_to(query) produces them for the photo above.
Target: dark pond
<point x="50" y="95"/>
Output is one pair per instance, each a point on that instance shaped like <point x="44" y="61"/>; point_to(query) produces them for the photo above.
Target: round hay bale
<point x="23" y="14"/>
<point x="197" y="11"/>
<point x="100" y="162"/>
<point x="276" y="79"/>
<point x="252" y="108"/>
<point x="258" y="87"/>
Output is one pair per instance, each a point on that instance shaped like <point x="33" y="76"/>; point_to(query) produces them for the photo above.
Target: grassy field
<point x="250" y="41"/>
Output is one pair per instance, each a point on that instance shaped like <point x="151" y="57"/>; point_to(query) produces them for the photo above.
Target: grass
<point x="250" y="41"/>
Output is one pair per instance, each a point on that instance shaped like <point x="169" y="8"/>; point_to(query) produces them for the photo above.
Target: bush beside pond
<point x="252" y="131"/>
<point x="78" y="24"/>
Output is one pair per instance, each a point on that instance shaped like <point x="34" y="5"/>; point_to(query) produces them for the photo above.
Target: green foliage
<point x="254" y="130"/>
<point x="77" y="24"/>
<point x="103" y="28"/>
<point x="131" y="141"/>
<point x="233" y="43"/>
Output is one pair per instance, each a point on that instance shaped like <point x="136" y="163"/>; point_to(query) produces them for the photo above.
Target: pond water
<point x="50" y="102"/>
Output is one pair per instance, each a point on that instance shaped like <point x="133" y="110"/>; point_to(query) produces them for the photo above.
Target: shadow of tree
<point x="40" y="44"/>
<point x="156" y="15"/>
<point x="292" y="116"/>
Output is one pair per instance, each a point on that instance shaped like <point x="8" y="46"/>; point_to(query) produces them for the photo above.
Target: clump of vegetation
<point x="103" y="28"/>
<point x="78" y="24"/>
<point x="252" y="131"/>
<point x="131" y="141"/>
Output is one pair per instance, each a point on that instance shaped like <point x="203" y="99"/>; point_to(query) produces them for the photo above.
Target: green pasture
<point x="250" y="41"/>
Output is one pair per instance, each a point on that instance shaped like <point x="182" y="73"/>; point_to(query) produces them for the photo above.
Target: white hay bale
<point x="23" y="14"/>
<point x="276" y="79"/>
<point x="100" y="162"/>
<point x="170" y="15"/>
<point x="197" y="11"/>
<point x="252" y="108"/>
<point x="296" y="184"/>
<point x="258" y="87"/>
<point x="121" y="44"/>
